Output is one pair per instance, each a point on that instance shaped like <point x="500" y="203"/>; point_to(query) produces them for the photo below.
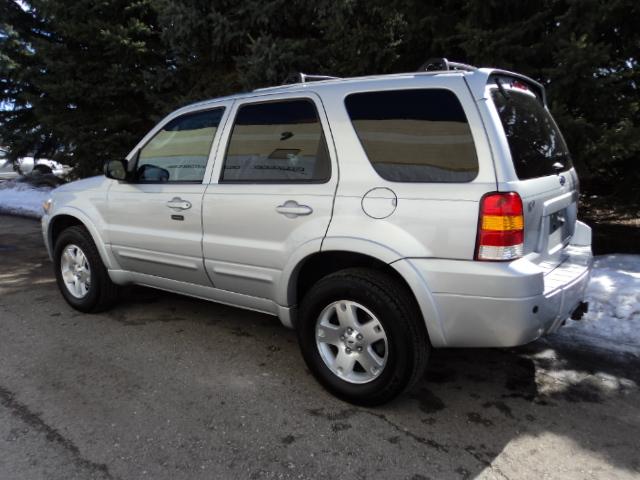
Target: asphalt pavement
<point x="168" y="387"/>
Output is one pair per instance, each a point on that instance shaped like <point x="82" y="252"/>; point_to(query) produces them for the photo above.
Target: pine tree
<point x="84" y="80"/>
<point x="76" y="78"/>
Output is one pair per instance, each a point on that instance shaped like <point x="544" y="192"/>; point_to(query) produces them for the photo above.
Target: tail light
<point x="500" y="227"/>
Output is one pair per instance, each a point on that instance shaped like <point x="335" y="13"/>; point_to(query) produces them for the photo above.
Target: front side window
<point x="414" y="135"/>
<point x="277" y="142"/>
<point x="180" y="150"/>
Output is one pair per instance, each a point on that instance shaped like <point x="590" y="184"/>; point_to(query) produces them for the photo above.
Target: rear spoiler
<point x="483" y="76"/>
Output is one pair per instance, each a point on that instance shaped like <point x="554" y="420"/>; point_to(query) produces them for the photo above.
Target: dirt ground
<point x="615" y="225"/>
<point x="167" y="387"/>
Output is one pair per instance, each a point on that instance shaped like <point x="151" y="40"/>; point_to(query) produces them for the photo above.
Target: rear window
<point x="277" y="142"/>
<point x="414" y="135"/>
<point x="536" y="144"/>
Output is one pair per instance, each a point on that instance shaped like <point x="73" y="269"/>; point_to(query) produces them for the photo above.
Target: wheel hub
<point x="351" y="341"/>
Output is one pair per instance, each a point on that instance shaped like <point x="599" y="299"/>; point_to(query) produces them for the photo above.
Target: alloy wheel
<point x="76" y="271"/>
<point x="351" y="341"/>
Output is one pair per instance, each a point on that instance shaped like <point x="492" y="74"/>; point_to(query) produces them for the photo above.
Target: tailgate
<point x="546" y="180"/>
<point x="550" y="214"/>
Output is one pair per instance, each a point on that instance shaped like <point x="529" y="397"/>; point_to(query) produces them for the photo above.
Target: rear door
<point x="272" y="190"/>
<point x="542" y="171"/>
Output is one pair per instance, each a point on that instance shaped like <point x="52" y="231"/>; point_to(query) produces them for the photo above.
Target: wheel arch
<point x="69" y="218"/>
<point x="314" y="266"/>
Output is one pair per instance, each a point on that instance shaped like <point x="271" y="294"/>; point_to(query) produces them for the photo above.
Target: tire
<point x="42" y="169"/>
<point x="374" y="297"/>
<point x="101" y="292"/>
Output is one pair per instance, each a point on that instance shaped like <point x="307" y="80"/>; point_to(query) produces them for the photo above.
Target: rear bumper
<point x="491" y="304"/>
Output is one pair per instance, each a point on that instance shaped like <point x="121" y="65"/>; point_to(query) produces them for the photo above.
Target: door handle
<point x="292" y="209"/>
<point x="176" y="203"/>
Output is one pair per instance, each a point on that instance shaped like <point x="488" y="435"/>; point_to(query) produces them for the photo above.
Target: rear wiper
<point x="502" y="90"/>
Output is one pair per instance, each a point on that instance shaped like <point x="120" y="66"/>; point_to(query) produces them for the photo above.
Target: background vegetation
<point x="82" y="81"/>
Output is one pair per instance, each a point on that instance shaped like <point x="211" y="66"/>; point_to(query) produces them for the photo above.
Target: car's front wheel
<point x="81" y="276"/>
<point x="362" y="337"/>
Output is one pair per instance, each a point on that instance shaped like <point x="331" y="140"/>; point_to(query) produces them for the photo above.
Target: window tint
<point x="414" y="135"/>
<point x="277" y="142"/>
<point x="180" y="151"/>
<point x="534" y="139"/>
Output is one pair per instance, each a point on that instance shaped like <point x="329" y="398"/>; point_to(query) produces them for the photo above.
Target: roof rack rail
<point x="306" y="78"/>
<point x="442" y="64"/>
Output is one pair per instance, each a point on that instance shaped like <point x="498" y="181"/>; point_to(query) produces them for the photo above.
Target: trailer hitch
<point x="581" y="309"/>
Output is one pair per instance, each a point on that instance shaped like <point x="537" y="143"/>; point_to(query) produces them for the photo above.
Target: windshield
<point x="537" y="146"/>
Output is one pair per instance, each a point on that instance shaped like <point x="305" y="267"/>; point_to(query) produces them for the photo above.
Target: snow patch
<point x="613" y="321"/>
<point x="22" y="199"/>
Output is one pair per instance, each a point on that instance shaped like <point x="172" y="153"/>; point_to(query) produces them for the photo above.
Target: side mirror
<point x="116" y="169"/>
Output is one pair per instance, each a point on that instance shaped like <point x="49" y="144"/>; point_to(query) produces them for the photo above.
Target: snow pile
<point x="613" y="321"/>
<point x="22" y="199"/>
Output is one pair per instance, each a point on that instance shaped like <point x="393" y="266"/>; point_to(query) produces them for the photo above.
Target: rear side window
<point x="180" y="150"/>
<point x="415" y="135"/>
<point x="536" y="144"/>
<point x="277" y="142"/>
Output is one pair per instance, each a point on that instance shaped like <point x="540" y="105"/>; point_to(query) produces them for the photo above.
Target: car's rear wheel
<point x="362" y="337"/>
<point x="81" y="276"/>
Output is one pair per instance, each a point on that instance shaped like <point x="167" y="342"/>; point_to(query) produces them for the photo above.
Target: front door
<point x="155" y="221"/>
<point x="271" y="194"/>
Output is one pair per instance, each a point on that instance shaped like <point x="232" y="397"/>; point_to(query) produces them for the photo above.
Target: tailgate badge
<point x="530" y="205"/>
<point x="562" y="180"/>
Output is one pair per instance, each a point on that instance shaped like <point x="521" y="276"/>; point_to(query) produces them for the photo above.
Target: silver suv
<point x="379" y="216"/>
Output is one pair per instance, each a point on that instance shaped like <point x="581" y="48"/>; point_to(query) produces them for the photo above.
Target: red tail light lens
<point x="500" y="227"/>
<point x="520" y="85"/>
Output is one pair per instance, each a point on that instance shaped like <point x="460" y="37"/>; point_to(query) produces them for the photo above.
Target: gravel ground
<point x="167" y="387"/>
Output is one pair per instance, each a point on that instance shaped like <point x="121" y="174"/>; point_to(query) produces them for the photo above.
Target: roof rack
<point x="442" y="64"/>
<point x="306" y="78"/>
